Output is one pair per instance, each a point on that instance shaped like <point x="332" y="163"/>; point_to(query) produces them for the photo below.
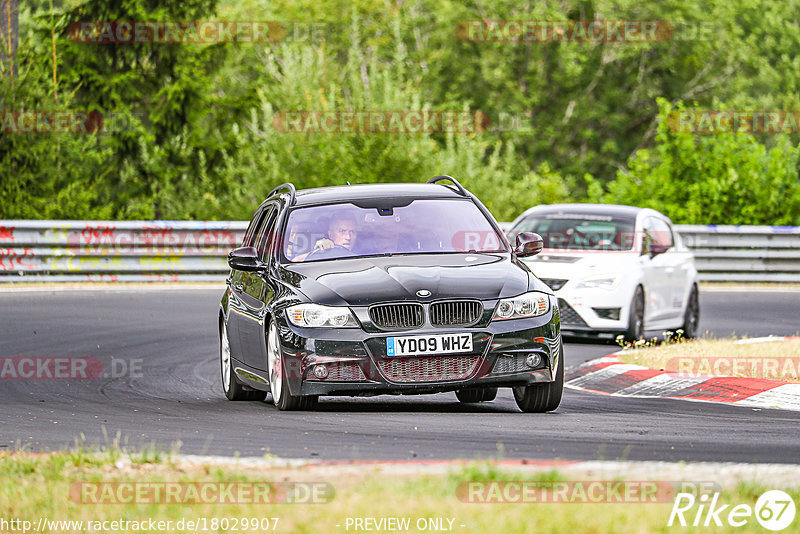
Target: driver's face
<point x="343" y="233"/>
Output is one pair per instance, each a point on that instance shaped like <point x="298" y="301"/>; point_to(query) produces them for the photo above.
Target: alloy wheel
<point x="274" y="363"/>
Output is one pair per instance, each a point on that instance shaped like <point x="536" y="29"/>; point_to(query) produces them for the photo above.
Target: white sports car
<point x="615" y="269"/>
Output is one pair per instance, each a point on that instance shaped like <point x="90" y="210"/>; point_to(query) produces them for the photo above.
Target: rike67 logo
<point x="774" y="510"/>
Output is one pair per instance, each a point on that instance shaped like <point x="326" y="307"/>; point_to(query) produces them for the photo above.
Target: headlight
<point x="315" y="316"/>
<point x="526" y="305"/>
<point x="606" y="281"/>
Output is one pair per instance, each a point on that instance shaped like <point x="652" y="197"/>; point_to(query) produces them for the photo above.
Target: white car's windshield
<point x="421" y="226"/>
<point x="580" y="232"/>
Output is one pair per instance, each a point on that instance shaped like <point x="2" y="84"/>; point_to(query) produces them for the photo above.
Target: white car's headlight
<point x="526" y="305"/>
<point x="606" y="281"/>
<point x="316" y="316"/>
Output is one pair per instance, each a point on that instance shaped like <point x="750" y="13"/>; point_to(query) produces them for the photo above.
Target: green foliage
<point x="586" y="119"/>
<point x="45" y="175"/>
<point x="728" y="178"/>
<point x="267" y="157"/>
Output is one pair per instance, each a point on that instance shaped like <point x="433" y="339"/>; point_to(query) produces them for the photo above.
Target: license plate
<point x="434" y="344"/>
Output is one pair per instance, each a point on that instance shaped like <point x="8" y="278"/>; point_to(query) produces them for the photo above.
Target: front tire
<point x="230" y="385"/>
<point x="692" y="316"/>
<point x="278" y="381"/>
<point x="635" y="329"/>
<point x="540" y="398"/>
<point x="470" y="396"/>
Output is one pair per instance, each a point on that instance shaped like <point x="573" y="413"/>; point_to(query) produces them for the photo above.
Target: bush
<point x="728" y="178"/>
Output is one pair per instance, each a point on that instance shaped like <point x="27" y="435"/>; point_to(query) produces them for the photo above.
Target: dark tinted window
<point x="418" y="227"/>
<point x="266" y="232"/>
<point x="256" y="223"/>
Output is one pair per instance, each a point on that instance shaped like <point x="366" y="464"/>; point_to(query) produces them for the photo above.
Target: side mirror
<point x="245" y="259"/>
<point x="654" y="249"/>
<point x="528" y="244"/>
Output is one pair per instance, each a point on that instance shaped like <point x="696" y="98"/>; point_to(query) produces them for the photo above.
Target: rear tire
<point x="278" y="381"/>
<point x="469" y="396"/>
<point x="540" y="398"/>
<point x="635" y="329"/>
<point x="234" y="390"/>
<point x="692" y="316"/>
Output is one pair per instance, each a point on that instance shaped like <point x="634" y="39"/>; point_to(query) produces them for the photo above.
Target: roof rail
<point x="288" y="186"/>
<point x="437" y="179"/>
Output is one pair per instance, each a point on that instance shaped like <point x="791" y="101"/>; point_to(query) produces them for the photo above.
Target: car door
<point x="236" y="306"/>
<point x="256" y="294"/>
<point x="656" y="274"/>
<point x="674" y="261"/>
<point x="681" y="261"/>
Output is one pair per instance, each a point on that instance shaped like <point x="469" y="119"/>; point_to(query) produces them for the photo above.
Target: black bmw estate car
<point x="386" y="289"/>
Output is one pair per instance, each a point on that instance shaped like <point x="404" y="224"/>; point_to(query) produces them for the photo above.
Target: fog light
<point x="607" y="313"/>
<point x="320" y="371"/>
<point x="533" y="360"/>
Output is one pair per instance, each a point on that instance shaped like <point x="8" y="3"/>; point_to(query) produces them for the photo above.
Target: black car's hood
<point x="364" y="281"/>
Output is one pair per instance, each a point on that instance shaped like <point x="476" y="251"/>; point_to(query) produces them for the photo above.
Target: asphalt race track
<point x="168" y="338"/>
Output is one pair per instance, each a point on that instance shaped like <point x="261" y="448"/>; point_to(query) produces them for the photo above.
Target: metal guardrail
<point x="121" y="251"/>
<point x="116" y="251"/>
<point x="725" y="253"/>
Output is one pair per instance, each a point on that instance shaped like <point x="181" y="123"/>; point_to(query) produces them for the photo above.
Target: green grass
<point x="33" y="486"/>
<point x="773" y="360"/>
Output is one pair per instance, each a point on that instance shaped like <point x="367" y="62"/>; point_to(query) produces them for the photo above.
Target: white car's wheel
<point x="635" y="330"/>
<point x="692" y="316"/>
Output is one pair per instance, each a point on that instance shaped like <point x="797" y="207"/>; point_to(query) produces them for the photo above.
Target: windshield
<point x="580" y="231"/>
<point x="342" y="230"/>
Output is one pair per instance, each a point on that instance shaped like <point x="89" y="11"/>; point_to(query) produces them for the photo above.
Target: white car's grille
<point x="568" y="315"/>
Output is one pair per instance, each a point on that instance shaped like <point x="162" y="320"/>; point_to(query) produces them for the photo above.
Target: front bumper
<point x="357" y="363"/>
<point x="596" y="312"/>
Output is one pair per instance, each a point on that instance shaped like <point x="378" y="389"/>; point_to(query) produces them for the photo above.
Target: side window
<point x="657" y="231"/>
<point x="252" y="230"/>
<point x="267" y="235"/>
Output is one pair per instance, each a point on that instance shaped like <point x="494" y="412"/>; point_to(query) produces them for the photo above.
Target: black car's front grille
<point x="554" y="283"/>
<point x="400" y="315"/>
<point x="568" y="315"/>
<point x="428" y="368"/>
<point x="455" y="313"/>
